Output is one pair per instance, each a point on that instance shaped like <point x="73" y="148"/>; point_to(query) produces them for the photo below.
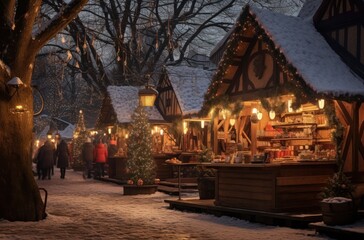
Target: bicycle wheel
<point x="38" y="101"/>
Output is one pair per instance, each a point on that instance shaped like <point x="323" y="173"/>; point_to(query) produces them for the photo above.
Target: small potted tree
<point x="338" y="207"/>
<point x="206" y="175"/>
<point x="140" y="163"/>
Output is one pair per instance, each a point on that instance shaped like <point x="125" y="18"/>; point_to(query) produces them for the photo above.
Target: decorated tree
<point x="140" y="164"/>
<point x="79" y="137"/>
<point x="24" y="31"/>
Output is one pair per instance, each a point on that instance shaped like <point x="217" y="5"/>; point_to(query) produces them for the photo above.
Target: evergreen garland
<point x="338" y="185"/>
<point x="140" y="164"/>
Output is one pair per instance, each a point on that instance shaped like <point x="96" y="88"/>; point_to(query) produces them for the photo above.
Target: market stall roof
<point x="190" y="85"/>
<point x="124" y="100"/>
<point x="306" y="50"/>
<point x="309" y="9"/>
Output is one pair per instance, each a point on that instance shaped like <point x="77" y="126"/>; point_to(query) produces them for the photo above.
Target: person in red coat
<point x="100" y="157"/>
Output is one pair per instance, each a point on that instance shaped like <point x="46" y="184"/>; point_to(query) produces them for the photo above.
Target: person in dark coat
<point x="100" y="157"/>
<point x="87" y="155"/>
<point x="46" y="159"/>
<point x="62" y="155"/>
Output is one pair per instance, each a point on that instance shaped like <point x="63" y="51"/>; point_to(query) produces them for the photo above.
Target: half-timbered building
<point x="281" y="64"/>
<point x="180" y="98"/>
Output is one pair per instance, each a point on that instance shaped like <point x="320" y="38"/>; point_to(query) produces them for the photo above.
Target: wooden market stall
<point x="291" y="78"/>
<point x="180" y="98"/>
<point x="114" y="118"/>
<point x="181" y="90"/>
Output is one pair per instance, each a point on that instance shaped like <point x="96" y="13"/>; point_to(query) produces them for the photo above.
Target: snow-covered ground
<point x="89" y="209"/>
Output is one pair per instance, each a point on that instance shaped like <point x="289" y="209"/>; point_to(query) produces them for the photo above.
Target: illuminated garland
<point x="140" y="164"/>
<point x="277" y="105"/>
<point x="296" y="84"/>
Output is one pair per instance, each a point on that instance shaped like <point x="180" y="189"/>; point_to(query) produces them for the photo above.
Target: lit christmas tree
<point x="79" y="137"/>
<point x="140" y="164"/>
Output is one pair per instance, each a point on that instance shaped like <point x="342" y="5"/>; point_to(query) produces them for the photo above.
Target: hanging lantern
<point x="109" y="130"/>
<point x="49" y="134"/>
<point x="185" y="129"/>
<point x="147" y="95"/>
<point x="321" y="103"/>
<point x="202" y="123"/>
<point x="272" y="114"/>
<point x="232" y="121"/>
<point x="259" y="115"/>
<point x="161" y="132"/>
<point x="289" y="105"/>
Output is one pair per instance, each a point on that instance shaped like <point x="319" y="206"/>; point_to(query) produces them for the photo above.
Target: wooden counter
<point x="275" y="187"/>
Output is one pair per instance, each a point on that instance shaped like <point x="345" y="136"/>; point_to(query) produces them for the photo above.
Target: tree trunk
<point x="21" y="40"/>
<point x="19" y="194"/>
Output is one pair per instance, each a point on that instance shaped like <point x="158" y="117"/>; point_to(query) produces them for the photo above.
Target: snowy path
<point x="88" y="209"/>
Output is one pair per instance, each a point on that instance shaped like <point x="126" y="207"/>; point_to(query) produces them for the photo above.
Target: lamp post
<point x="147" y="95"/>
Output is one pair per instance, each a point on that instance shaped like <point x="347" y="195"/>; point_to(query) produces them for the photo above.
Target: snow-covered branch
<point x="58" y="22"/>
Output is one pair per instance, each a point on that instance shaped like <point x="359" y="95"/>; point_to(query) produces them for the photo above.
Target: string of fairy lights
<point x="247" y="23"/>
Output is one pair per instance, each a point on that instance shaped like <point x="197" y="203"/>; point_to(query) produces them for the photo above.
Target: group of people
<point x="48" y="156"/>
<point x="94" y="154"/>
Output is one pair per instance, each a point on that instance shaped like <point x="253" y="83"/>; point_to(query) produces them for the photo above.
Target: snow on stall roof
<point x="124" y="100"/>
<point x="309" y="9"/>
<point x="310" y="54"/>
<point x="190" y="85"/>
<point x="66" y="133"/>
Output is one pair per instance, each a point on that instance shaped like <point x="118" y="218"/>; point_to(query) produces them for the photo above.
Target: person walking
<point x="100" y="157"/>
<point x="46" y="159"/>
<point x="87" y="155"/>
<point x="62" y="155"/>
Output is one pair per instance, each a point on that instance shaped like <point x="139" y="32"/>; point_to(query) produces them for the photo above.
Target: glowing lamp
<point x="272" y="114"/>
<point x="49" y="134"/>
<point x="161" y="132"/>
<point x="259" y="115"/>
<point x="185" y="130"/>
<point x="147" y="96"/>
<point x="289" y="105"/>
<point x="202" y="123"/>
<point x="321" y="103"/>
<point x="19" y="109"/>
<point x="232" y="121"/>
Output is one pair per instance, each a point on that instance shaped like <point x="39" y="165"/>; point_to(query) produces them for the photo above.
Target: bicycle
<point x="38" y="100"/>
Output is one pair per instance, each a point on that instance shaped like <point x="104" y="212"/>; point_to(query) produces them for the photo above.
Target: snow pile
<point x="336" y="200"/>
<point x="89" y="209"/>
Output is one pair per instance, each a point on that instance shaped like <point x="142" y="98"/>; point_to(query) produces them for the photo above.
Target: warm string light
<point x="321" y="103"/>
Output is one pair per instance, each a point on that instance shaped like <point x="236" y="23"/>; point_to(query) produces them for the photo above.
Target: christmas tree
<point x="79" y="137"/>
<point x="140" y="164"/>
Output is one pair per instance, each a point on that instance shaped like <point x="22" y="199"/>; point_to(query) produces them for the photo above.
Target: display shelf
<point x="288" y="139"/>
<point x="293" y="125"/>
<point x="265" y="138"/>
<point x="324" y="140"/>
